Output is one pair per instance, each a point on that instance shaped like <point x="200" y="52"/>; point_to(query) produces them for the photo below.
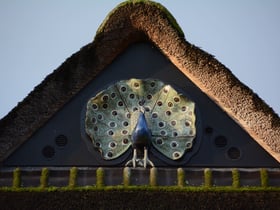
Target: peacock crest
<point x="112" y="116"/>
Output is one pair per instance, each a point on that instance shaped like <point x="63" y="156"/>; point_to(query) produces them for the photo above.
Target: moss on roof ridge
<point x="159" y="6"/>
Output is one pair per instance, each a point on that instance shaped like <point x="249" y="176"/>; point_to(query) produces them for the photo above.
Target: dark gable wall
<point x="220" y="142"/>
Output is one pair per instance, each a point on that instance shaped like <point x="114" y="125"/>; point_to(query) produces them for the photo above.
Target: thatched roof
<point x="131" y="22"/>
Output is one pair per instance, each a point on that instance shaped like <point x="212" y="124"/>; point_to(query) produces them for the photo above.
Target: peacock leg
<point x="146" y="159"/>
<point x="134" y="159"/>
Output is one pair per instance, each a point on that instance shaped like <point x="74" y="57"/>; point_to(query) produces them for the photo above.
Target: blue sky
<point x="37" y="36"/>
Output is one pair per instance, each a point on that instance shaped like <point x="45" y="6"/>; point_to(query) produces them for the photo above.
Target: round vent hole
<point x="48" y="151"/>
<point x="234" y="153"/>
<point x="61" y="140"/>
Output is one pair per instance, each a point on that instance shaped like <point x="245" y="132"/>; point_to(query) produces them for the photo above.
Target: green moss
<point x="126" y="176"/>
<point x="100" y="177"/>
<point x="235" y="178"/>
<point x="73" y="177"/>
<point x="143" y="188"/>
<point x="153" y="177"/>
<point x="16" y="178"/>
<point x="264" y="177"/>
<point x="181" y="176"/>
<point x="207" y="177"/>
<point x="169" y="16"/>
<point x="44" y="178"/>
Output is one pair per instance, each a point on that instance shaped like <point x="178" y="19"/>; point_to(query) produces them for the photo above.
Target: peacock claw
<point x="146" y="159"/>
<point x="138" y="162"/>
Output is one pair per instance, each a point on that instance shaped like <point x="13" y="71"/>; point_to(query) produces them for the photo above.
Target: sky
<point x="37" y="36"/>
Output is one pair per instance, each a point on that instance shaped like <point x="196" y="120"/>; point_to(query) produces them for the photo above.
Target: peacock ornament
<point x="140" y="114"/>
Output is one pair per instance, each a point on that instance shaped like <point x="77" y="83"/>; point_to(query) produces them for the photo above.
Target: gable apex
<point x="130" y="22"/>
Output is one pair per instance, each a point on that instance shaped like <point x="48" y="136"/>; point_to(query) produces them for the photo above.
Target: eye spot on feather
<point x="93" y="120"/>
<point x="154" y="115"/>
<point x="176" y="155"/>
<point x="112" y="144"/>
<point x="125" y="141"/>
<point x="159" y="141"/>
<point x="141" y="102"/>
<point x="187" y="124"/>
<point x="175" y="134"/>
<point x="124" y="132"/>
<point x="99" y="116"/>
<point x="147" y="109"/>
<point x="113" y="95"/>
<point x="163" y="133"/>
<point x="114" y="113"/>
<point x="136" y="85"/>
<point x="125" y="123"/>
<point x="105" y="106"/>
<point x="188" y="145"/>
<point x="153" y="84"/>
<point x="170" y="104"/>
<point x="176" y="99"/>
<point x="168" y="113"/>
<point x="135" y="109"/>
<point x="109" y="154"/>
<point x="105" y="98"/>
<point x="128" y="115"/>
<point x="159" y="103"/>
<point x="94" y="106"/>
<point x="110" y="133"/>
<point x="123" y="88"/>
<point x="120" y="103"/>
<point x="97" y="144"/>
<point x="161" y="124"/>
<point x="173" y="144"/>
<point x="131" y="96"/>
<point x="165" y="90"/>
<point x="149" y="96"/>
<point x="173" y="122"/>
<point x="95" y="128"/>
<point x="183" y="108"/>
<point x="112" y="124"/>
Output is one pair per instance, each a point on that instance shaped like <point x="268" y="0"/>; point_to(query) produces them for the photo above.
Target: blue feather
<point x="141" y="136"/>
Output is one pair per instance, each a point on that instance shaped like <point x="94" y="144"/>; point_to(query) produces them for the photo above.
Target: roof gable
<point x="129" y="23"/>
<point x="219" y="141"/>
